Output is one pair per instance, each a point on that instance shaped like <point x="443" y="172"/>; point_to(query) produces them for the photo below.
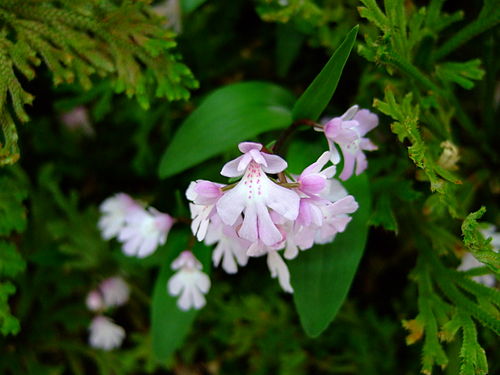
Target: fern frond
<point x="13" y="191"/>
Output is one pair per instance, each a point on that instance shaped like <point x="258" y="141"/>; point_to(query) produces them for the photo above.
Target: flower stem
<point x="280" y="143"/>
<point x="228" y="187"/>
<point x="290" y="185"/>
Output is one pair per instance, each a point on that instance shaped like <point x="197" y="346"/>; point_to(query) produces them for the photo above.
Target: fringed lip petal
<point x="253" y="196"/>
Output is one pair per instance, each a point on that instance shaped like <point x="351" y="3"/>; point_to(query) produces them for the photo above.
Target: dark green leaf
<point x="319" y="93"/>
<point x="169" y="324"/>
<point x="229" y="115"/>
<point x="321" y="276"/>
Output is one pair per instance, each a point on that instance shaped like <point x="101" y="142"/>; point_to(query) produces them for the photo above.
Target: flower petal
<point x="230" y="206"/>
<point x="367" y="121"/>
<point x="279" y="269"/>
<point x="350" y="113"/>
<point x="283" y="201"/>
<point x="268" y="232"/>
<point x="230" y="169"/>
<point x="247" y="146"/>
<point x="275" y="164"/>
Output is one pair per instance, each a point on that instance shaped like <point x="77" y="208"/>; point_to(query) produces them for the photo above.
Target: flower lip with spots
<point x="255" y="195"/>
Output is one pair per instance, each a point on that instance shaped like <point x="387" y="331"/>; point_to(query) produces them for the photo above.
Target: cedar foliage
<point x="77" y="40"/>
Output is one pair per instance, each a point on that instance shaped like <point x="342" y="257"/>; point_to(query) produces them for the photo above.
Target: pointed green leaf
<point x="319" y="93"/>
<point x="169" y="324"/>
<point x="322" y="276"/>
<point x="226" y="117"/>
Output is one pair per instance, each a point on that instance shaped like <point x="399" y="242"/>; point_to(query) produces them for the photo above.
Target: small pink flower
<point x="189" y="283"/>
<point x="94" y="301"/>
<point x="313" y="179"/>
<point x="348" y="133"/>
<point x="115" y="291"/>
<point x="204" y="195"/>
<point x="104" y="334"/>
<point x="114" y="211"/>
<point x="255" y="195"/>
<point x="78" y="120"/>
<point x="322" y="217"/>
<point x="336" y="218"/>
<point x="111" y="292"/>
<point x="144" y="231"/>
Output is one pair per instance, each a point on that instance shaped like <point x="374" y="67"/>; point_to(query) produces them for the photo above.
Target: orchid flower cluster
<point x="267" y="212"/>
<point x="103" y="332"/>
<point x="140" y="230"/>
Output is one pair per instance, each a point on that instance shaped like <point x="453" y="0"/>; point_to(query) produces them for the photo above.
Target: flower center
<point x="252" y="180"/>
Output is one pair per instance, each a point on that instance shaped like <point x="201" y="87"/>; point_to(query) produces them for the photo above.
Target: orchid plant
<point x="266" y="212"/>
<point x="127" y="227"/>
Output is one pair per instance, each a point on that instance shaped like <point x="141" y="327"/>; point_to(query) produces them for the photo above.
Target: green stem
<point x="280" y="143"/>
<point x="290" y="185"/>
<point x="229" y="187"/>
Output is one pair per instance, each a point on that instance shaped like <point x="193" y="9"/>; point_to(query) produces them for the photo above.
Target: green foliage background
<point x="429" y="69"/>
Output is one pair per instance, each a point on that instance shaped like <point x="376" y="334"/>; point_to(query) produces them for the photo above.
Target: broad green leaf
<point x="319" y="93"/>
<point x="169" y="324"/>
<point x="322" y="276"/>
<point x="229" y="115"/>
